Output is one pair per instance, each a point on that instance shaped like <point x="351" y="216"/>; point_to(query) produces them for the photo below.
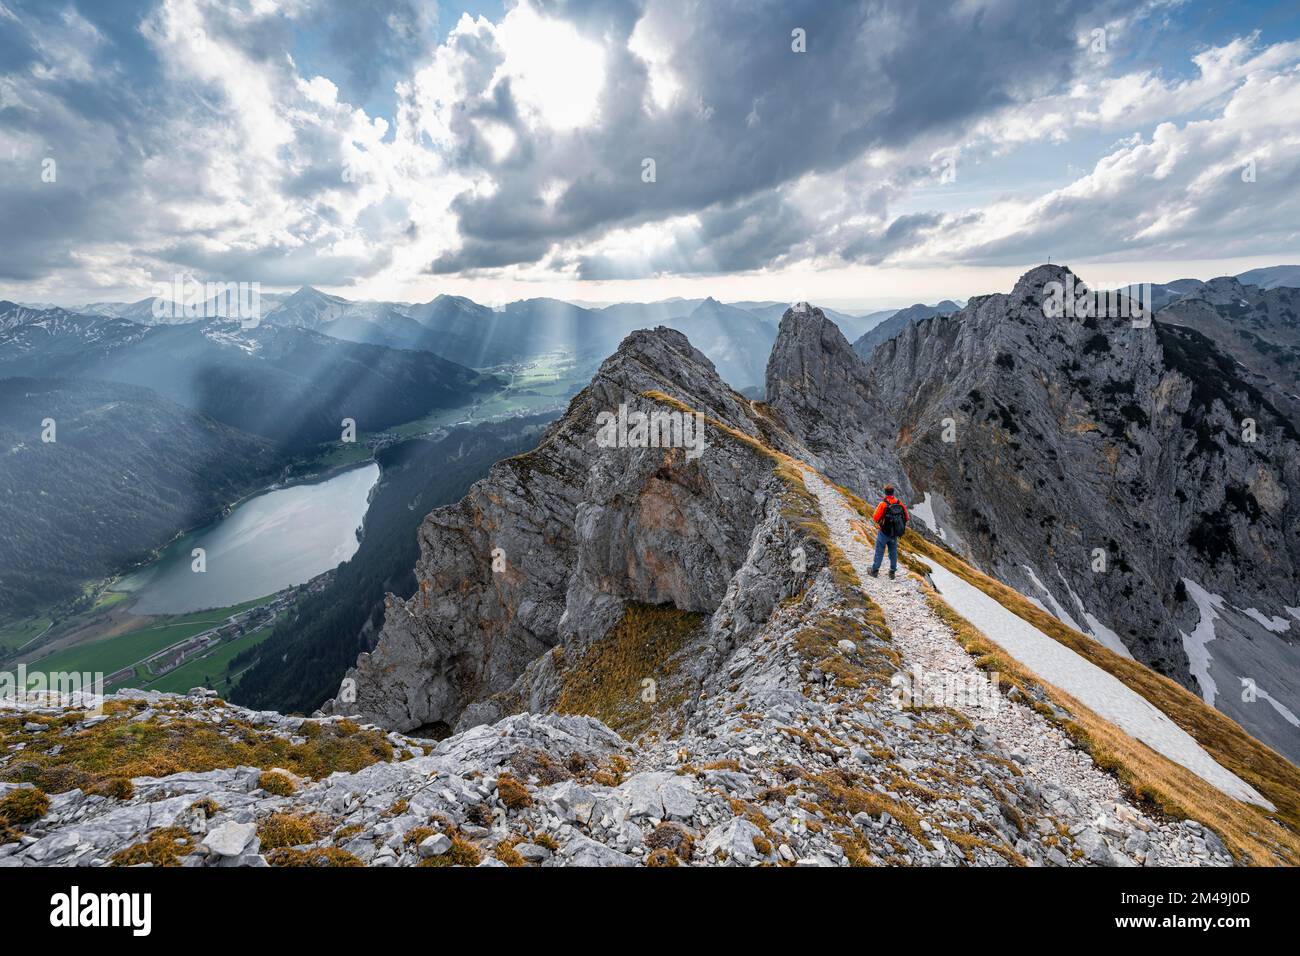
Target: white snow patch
<point x="1294" y="612"/>
<point x="1194" y="644"/>
<point x="925" y="511"/>
<point x="1287" y="714"/>
<point x="1106" y="637"/>
<point x="1095" y="629"/>
<point x="1083" y="611"/>
<point x="1060" y="613"/>
<point x="1099" y="690"/>
<point x="231" y="338"/>
<point x="1275" y="624"/>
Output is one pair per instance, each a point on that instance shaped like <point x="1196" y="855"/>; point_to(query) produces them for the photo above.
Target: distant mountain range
<point x="1272" y="337"/>
<point x="1271" y="277"/>
<point x="284" y="382"/>
<point x="736" y="336"/>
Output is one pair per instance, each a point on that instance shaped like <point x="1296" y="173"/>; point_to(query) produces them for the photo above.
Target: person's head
<point x="889" y="491"/>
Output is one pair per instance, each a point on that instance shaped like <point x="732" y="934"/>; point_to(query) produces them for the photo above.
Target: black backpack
<point x="894" y="521"/>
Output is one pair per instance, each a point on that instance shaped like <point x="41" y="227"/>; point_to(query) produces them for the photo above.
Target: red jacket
<point x="889" y="500"/>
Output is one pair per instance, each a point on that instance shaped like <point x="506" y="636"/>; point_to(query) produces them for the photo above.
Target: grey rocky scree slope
<point x="1074" y="434"/>
<point x="833" y="786"/>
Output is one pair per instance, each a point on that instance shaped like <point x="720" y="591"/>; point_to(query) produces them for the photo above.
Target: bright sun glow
<point x="655" y="50"/>
<point x="500" y="138"/>
<point x="556" y="74"/>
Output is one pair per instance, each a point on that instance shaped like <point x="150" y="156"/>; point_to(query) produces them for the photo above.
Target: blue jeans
<point x="885" y="541"/>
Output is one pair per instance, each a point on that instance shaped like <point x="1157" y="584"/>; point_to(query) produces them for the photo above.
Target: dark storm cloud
<point x="83" y="85"/>
<point x="66" y="99"/>
<point x="272" y="265"/>
<point x="752" y="115"/>
<point x="91" y="85"/>
<point x="730" y="238"/>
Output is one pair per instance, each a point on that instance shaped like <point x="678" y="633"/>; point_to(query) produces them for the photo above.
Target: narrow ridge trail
<point x="1076" y="787"/>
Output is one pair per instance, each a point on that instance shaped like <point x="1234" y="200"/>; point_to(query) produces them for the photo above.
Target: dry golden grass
<point x="164" y="847"/>
<point x="413" y="838"/>
<point x="461" y="853"/>
<point x="19" y="808"/>
<point x="314" y="857"/>
<point x="23" y="806"/>
<point x="607" y="682"/>
<point x="661" y="857"/>
<point x="93" y="758"/>
<point x="611" y="773"/>
<point x="505" y="852"/>
<point x="276" y="783"/>
<point x="514" y="793"/>
<point x="292" y="829"/>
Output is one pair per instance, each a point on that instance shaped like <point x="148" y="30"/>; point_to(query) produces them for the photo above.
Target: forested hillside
<point x="126" y="471"/>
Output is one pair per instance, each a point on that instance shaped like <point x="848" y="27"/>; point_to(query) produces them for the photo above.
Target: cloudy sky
<point x="400" y="148"/>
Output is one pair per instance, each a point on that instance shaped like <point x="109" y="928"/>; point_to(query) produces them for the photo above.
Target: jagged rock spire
<point x="819" y="387"/>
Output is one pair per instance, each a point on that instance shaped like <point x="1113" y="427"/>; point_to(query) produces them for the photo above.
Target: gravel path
<point x="1044" y="753"/>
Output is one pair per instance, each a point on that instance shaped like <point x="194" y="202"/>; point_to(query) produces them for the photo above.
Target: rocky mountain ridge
<point x="890" y="327"/>
<point x="1035" y="410"/>
<point x="638" y="650"/>
<point x="544" y="551"/>
<point x="1112" y="472"/>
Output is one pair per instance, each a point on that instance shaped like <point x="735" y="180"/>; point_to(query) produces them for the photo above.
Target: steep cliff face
<point x="889" y="328"/>
<point x="1104" y="469"/>
<point x="1259" y="327"/>
<point x="818" y="387"/>
<point x="552" y="546"/>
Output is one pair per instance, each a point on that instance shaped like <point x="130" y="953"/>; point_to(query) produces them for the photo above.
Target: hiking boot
<point x="891" y="575"/>
<point x="874" y="573"/>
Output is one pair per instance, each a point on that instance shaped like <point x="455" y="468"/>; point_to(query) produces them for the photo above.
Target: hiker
<point x="891" y="519"/>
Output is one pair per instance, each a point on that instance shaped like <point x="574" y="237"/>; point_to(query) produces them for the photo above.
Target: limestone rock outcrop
<point x="1127" y="475"/>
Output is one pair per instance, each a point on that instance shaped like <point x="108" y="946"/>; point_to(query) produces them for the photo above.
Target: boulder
<point x="229" y="839"/>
